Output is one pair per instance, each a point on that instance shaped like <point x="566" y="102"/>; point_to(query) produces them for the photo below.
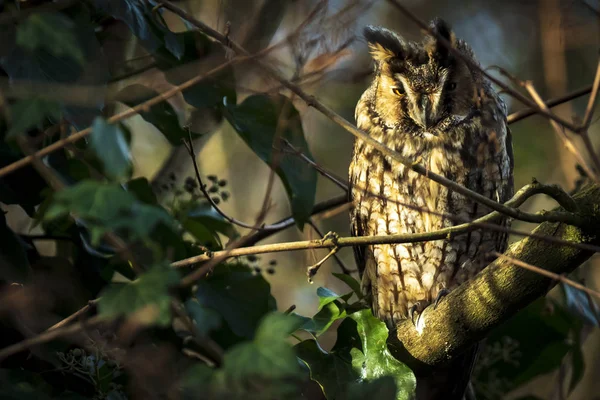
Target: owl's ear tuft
<point x="441" y="29"/>
<point x="384" y="44"/>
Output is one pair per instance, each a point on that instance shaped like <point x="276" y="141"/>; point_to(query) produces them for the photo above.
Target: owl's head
<point x="422" y="84"/>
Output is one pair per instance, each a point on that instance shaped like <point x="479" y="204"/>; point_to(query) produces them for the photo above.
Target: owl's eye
<point x="452" y="86"/>
<point x="398" y="90"/>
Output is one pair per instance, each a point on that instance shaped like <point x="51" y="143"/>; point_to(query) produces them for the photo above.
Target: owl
<point x="429" y="106"/>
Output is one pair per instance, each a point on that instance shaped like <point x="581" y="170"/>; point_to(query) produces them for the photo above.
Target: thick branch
<point x="472" y="310"/>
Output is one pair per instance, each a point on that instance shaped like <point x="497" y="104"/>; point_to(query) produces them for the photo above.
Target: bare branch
<point x="527" y="112"/>
<point x="589" y="111"/>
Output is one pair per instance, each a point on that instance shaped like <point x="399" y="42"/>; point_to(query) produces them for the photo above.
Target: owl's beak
<point x="424" y="112"/>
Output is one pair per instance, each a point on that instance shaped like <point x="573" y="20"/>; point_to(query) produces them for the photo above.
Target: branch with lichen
<point x="473" y="309"/>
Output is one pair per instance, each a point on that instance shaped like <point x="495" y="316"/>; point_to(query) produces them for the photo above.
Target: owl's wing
<point x="357" y="224"/>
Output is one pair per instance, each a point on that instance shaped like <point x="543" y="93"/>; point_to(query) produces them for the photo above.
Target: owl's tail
<point x="448" y="382"/>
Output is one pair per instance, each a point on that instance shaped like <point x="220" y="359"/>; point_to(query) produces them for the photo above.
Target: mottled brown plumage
<point x="430" y="107"/>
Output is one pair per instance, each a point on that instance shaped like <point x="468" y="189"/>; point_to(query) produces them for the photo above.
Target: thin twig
<point x="49" y="335"/>
<point x="552" y="275"/>
<point x="561" y="133"/>
<point x="589" y="111"/>
<point x="340" y="263"/>
<point x="527" y="112"/>
<point x="190" y="147"/>
<point x="76" y="315"/>
<point x="312" y="101"/>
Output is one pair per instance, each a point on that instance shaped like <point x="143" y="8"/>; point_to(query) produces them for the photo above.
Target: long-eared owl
<point x="428" y="105"/>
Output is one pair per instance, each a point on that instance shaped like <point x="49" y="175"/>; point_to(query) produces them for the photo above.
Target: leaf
<point x="107" y="207"/>
<point x="359" y="355"/>
<point x="383" y="388"/>
<point x="161" y="115"/>
<point x="31" y="113"/>
<point x="326" y="296"/>
<point x="324" y="318"/>
<point x="52" y="32"/>
<point x="581" y="305"/>
<point x="200" y="55"/>
<point x="204" y="318"/>
<point x="239" y="296"/>
<point x="532" y="343"/>
<point x="262" y="121"/>
<point x="108" y="141"/>
<point x="141" y="189"/>
<point x="264" y="368"/>
<point x="374" y="360"/>
<point x="577" y="366"/>
<point x="12" y="189"/>
<point x="14" y="264"/>
<point x="148" y="297"/>
<point x="206" y="215"/>
<point x="351" y="282"/>
<point x="140" y="20"/>
<point x="42" y="66"/>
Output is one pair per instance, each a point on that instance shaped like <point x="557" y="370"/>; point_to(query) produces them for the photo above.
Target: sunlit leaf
<point x="359" y="355"/>
<point x="108" y="142"/>
<point x="147" y="297"/>
<point x="241" y="297"/>
<point x="264" y="122"/>
<point x="31" y="113"/>
<point x="52" y="32"/>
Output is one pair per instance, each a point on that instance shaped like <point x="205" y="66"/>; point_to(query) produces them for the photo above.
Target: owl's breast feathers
<point x="390" y="199"/>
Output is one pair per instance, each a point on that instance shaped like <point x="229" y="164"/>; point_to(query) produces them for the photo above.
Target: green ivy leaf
<point x="107" y="207"/>
<point x="324" y="318"/>
<point x="161" y="115"/>
<point x="241" y="297"/>
<point x="261" y="121"/>
<point x="200" y="55"/>
<point x="351" y="282"/>
<point x="148" y="297"/>
<point x="374" y="360"/>
<point x="204" y="318"/>
<point x="140" y="19"/>
<point x="14" y="265"/>
<point x="360" y="355"/>
<point x="532" y="343"/>
<point x="264" y="368"/>
<point x="383" y="388"/>
<point x="141" y="189"/>
<point x="31" y="113"/>
<point x="109" y="144"/>
<point x="52" y="32"/>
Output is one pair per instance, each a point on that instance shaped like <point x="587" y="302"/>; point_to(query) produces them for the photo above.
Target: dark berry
<point x="225" y="196"/>
<point x="271" y="271"/>
<point x="212" y="178"/>
<point x="222" y="182"/>
<point x="273" y="263"/>
<point x="216" y="200"/>
<point x="252" y="258"/>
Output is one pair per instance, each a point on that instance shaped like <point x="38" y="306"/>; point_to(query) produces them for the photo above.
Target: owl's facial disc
<point x="423" y="103"/>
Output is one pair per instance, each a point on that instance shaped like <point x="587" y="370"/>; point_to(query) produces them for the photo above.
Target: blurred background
<point x="553" y="43"/>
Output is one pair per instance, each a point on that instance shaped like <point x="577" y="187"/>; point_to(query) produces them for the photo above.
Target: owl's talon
<point x="411" y="314"/>
<point x="441" y="294"/>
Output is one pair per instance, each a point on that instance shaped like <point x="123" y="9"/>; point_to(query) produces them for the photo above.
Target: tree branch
<point x="473" y="309"/>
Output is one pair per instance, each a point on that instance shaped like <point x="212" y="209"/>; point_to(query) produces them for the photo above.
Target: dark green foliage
<point x="265" y="123"/>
